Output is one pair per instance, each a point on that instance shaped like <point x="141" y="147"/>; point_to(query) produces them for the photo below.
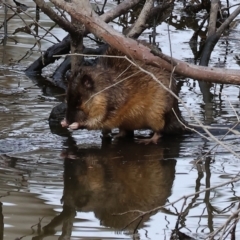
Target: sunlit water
<point x="45" y="194"/>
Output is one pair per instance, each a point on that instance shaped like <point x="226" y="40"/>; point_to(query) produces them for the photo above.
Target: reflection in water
<point x="114" y="179"/>
<point x="117" y="180"/>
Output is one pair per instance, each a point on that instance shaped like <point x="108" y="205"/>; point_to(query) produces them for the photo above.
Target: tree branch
<point x="213" y="17"/>
<point x="119" y="10"/>
<point x="55" y="17"/>
<point x="142" y="19"/>
<point x="136" y="50"/>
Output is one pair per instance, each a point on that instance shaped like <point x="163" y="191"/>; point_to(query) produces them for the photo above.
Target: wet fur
<point x="138" y="102"/>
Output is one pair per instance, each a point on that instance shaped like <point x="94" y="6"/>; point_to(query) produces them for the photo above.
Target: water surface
<point x="58" y="183"/>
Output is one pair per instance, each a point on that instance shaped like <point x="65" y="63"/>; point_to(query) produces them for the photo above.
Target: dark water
<point x="58" y="183"/>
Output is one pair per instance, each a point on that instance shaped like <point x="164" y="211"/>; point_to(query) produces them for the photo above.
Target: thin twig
<point x="233" y="215"/>
<point x="142" y="213"/>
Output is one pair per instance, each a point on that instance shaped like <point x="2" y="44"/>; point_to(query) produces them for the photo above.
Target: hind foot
<point x="154" y="139"/>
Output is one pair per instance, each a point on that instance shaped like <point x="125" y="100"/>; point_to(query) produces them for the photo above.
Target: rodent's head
<point x="82" y="86"/>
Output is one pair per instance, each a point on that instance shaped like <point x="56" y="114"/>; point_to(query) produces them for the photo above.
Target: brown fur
<point x="136" y="103"/>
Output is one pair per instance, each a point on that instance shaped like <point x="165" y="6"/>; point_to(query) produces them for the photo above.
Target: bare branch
<point x="228" y="21"/>
<point x="119" y="10"/>
<point x="142" y="18"/>
<point x="56" y="18"/>
<point x="213" y="17"/>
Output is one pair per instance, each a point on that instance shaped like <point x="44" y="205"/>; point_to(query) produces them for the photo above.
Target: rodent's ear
<point x="87" y="81"/>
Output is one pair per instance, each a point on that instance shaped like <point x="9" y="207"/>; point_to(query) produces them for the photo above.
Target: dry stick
<point x="43" y="27"/>
<point x="217" y="143"/>
<point x="234" y="5"/>
<point x="234" y="110"/>
<point x="206" y="127"/>
<point x="47" y="31"/>
<point x="171" y="76"/>
<point x="229" y="130"/>
<point x="210" y="236"/>
<point x="228" y="21"/>
<point x="142" y="18"/>
<point x="213" y="17"/>
<point x="34" y="35"/>
<point x="142" y="213"/>
<point x="165" y="88"/>
<point x="62" y="13"/>
<point x="103" y="6"/>
<point x="56" y="18"/>
<point x="151" y="14"/>
<point x="170" y="46"/>
<point x="118" y="10"/>
<point x="229" y="227"/>
<point x="40" y="38"/>
<point x="113" y="13"/>
<point x="106" y="17"/>
<point x="233" y="230"/>
<point x="236" y="132"/>
<point x="213" y="38"/>
<point x="192" y="129"/>
<point x="131" y="48"/>
<point x="122" y="80"/>
<point x="7" y="19"/>
<point x="35" y="22"/>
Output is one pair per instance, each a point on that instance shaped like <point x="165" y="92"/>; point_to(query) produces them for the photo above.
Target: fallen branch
<point x="64" y="46"/>
<point x="135" y="50"/>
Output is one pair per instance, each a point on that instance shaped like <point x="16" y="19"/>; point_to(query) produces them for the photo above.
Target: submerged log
<point x="59" y="74"/>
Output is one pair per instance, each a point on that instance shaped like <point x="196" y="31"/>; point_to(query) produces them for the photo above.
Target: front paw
<point x="77" y="125"/>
